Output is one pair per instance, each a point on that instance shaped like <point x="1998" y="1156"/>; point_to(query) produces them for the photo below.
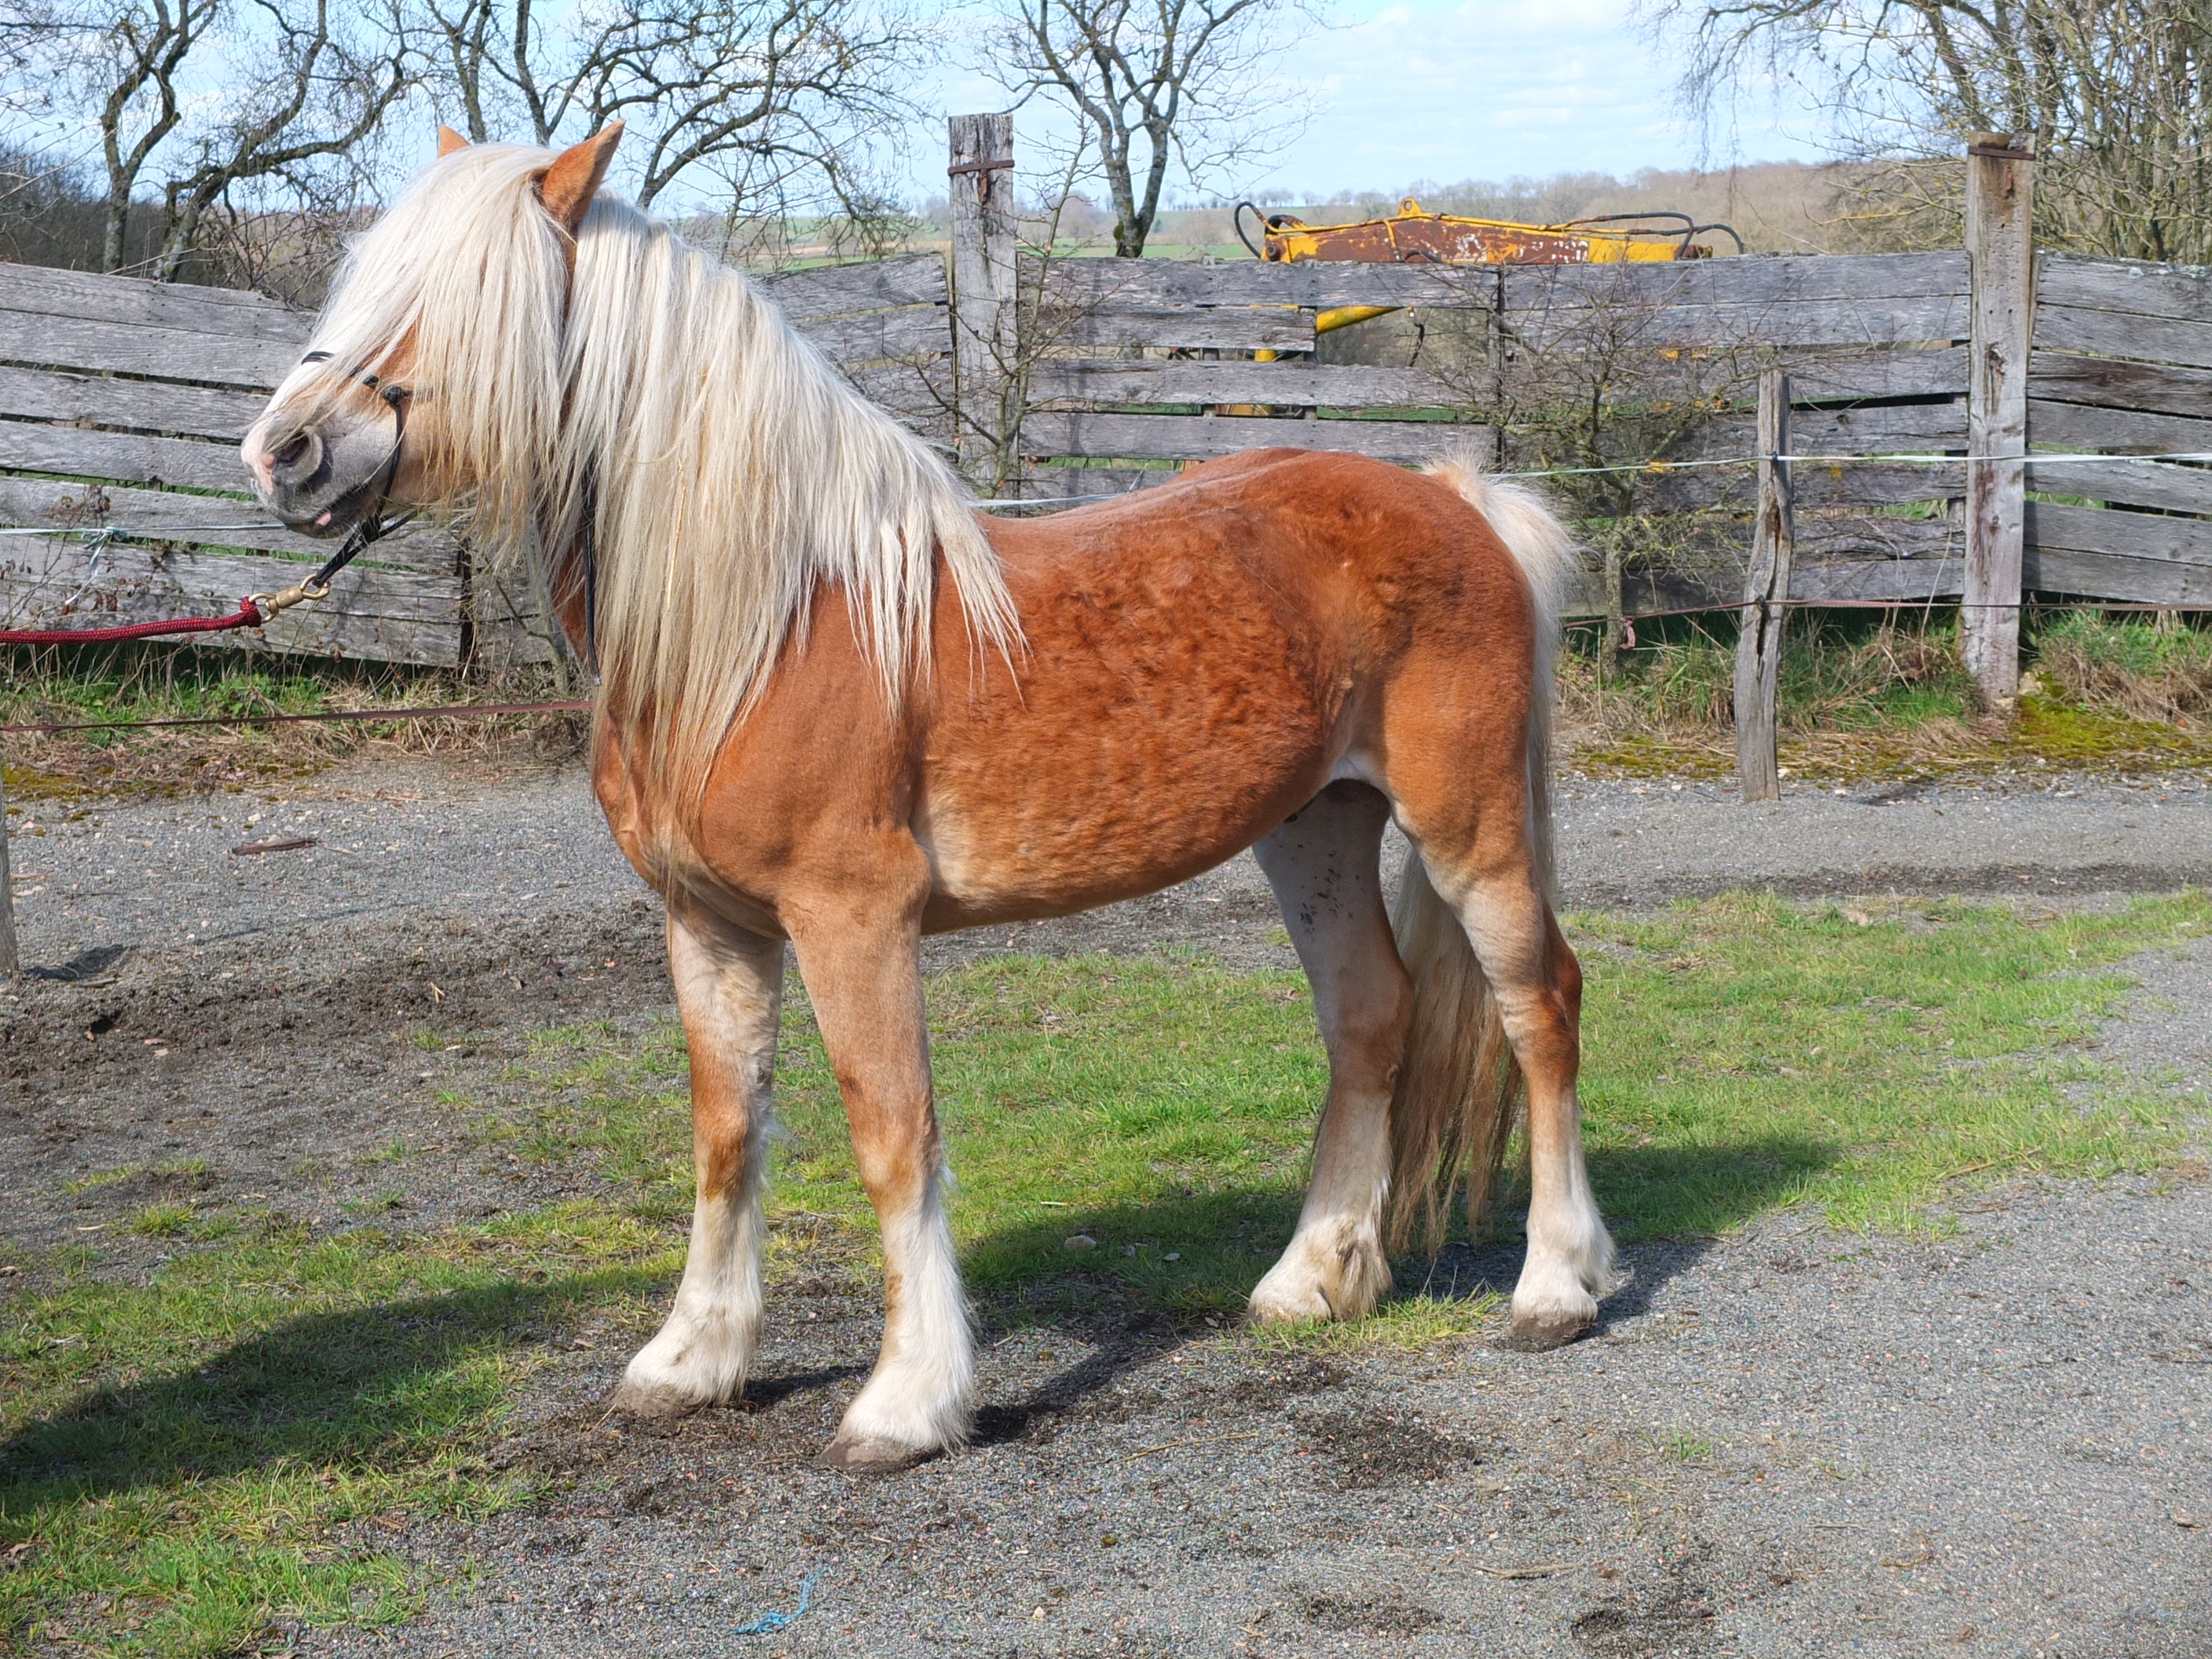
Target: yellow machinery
<point x="1414" y="236"/>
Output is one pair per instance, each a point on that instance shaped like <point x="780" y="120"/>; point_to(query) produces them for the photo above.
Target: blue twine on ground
<point x="768" y="1623"/>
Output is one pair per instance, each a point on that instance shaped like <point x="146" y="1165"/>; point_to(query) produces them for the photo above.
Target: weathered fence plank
<point x="1232" y="328"/>
<point x="2001" y="246"/>
<point x="141" y="405"/>
<point x="911" y="279"/>
<point x="1284" y="385"/>
<point x="2109" y="382"/>
<point x="1814" y="485"/>
<point x="2181" y="292"/>
<point x="75" y="296"/>
<point x="2123" y="334"/>
<point x="129" y="457"/>
<point x="878" y="337"/>
<point x="1759" y="637"/>
<point x="215" y="519"/>
<point x="390" y="614"/>
<point x="1818" y="377"/>
<point x="1869" y="429"/>
<point x="1880" y="581"/>
<point x="1200" y="437"/>
<point x="136" y="349"/>
<point x="2121" y="431"/>
<point x="2131" y="483"/>
<point x="2097" y="575"/>
<point x="2159" y="536"/>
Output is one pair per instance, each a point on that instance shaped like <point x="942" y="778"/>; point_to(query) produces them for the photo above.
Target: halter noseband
<point x="373" y="525"/>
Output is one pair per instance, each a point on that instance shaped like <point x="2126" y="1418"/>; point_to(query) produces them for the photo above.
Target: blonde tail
<point x="1459" y="1086"/>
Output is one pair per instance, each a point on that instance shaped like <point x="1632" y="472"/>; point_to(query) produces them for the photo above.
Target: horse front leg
<point x="729" y="989"/>
<point x="863" y="971"/>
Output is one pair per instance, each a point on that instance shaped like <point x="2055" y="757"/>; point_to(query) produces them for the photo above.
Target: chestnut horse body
<point x="1277" y="651"/>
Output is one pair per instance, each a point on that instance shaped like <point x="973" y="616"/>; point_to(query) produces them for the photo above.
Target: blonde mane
<point x="729" y="469"/>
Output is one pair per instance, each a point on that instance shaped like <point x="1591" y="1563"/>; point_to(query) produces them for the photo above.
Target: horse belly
<point x="1118" y="771"/>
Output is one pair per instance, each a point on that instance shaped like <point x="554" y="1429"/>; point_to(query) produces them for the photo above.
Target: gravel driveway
<point x="1790" y="1441"/>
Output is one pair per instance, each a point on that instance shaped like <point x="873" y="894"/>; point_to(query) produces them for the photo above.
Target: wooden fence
<point x="1162" y="362"/>
<point x="121" y="403"/>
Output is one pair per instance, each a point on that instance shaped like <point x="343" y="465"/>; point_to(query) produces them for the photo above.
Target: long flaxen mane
<point x="729" y="469"/>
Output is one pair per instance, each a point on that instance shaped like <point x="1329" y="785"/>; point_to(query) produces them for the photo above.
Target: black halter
<point x="373" y="525"/>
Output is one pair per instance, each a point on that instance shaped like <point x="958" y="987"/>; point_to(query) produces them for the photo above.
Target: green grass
<point x="181" y="1455"/>
<point x="178" y="1452"/>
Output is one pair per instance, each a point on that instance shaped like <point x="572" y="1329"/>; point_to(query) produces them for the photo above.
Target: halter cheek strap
<point x="373" y="525"/>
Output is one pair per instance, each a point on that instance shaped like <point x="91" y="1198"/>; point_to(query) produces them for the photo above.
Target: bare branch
<point x="1150" y="82"/>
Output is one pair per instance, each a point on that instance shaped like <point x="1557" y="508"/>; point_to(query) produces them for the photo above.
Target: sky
<point x="1399" y="90"/>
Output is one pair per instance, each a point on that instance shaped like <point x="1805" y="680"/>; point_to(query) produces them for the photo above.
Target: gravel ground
<point x="1788" y="1441"/>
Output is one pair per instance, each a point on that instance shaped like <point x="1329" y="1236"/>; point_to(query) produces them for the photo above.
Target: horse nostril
<point x="291" y="454"/>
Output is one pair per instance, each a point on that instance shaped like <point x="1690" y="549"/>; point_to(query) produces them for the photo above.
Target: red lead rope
<point x="248" y="615"/>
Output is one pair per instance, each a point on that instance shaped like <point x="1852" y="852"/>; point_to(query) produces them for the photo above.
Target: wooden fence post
<point x="2001" y="255"/>
<point x="1765" y="599"/>
<point x="980" y="178"/>
<point x="8" y="960"/>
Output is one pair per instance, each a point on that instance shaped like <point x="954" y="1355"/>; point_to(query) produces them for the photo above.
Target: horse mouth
<point x="337" y="517"/>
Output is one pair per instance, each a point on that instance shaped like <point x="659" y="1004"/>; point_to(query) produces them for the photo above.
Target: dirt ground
<point x="1790" y="1441"/>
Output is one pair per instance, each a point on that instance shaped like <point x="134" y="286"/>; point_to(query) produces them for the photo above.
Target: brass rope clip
<point x="269" y="604"/>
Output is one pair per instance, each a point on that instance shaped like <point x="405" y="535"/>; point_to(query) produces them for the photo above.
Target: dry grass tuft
<point x="1860" y="701"/>
<point x="2138" y="671"/>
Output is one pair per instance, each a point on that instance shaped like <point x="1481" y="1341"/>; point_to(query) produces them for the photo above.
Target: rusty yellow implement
<point x="1412" y="236"/>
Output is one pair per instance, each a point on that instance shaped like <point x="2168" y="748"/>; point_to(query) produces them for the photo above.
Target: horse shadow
<point x="354" y="1387"/>
<point x="1671" y="1205"/>
<point x="350" y="1386"/>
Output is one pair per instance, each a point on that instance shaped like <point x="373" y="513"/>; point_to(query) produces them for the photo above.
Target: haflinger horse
<point x="838" y="708"/>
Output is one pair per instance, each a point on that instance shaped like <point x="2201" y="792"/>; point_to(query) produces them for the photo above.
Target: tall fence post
<point x="1765" y="601"/>
<point x="2001" y="256"/>
<point x="8" y="960"/>
<point x="980" y="178"/>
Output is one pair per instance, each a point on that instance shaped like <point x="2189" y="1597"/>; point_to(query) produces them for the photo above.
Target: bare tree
<point x="2117" y="94"/>
<point x="743" y="101"/>
<point x="1149" y="83"/>
<point x="188" y="99"/>
<point x="327" y="86"/>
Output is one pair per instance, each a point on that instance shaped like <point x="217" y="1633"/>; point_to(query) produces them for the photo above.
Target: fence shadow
<point x="358" y="1386"/>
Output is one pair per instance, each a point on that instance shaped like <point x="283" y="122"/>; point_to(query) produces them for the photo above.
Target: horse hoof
<point x="650" y="1405"/>
<point x="1542" y="1335"/>
<point x="867" y="1455"/>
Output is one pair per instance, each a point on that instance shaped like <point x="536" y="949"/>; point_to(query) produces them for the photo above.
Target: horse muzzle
<point x="320" y="480"/>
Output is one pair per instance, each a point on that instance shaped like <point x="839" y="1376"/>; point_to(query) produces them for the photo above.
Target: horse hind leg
<point x="1533" y="976"/>
<point x="729" y="986"/>
<point x="1325" y="865"/>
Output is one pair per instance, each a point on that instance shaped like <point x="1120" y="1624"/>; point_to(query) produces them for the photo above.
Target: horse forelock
<point x="730" y="471"/>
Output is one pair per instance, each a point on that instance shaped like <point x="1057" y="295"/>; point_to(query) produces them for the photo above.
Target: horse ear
<point x="575" y="178"/>
<point x="448" y="141"/>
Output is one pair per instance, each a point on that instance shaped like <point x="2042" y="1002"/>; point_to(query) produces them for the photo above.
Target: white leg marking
<point x="1570" y="1263"/>
<point x="705" y="1349"/>
<point x="922" y="1394"/>
<point x="1333" y="1268"/>
<point x="730" y="985"/>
